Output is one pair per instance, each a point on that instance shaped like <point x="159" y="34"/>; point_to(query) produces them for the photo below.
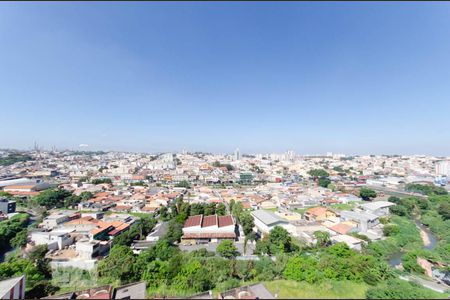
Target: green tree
<point x="279" y="240"/>
<point x="322" y="237"/>
<point x="209" y="209"/>
<point x="52" y="198"/>
<point x="324" y="182"/>
<point x="86" y="196"/>
<point x="184" y="184"/>
<point x="227" y="249"/>
<point x="20" y="239"/>
<point x="391" y="229"/>
<point x="367" y="194"/>
<point x="317" y="173"/>
<point x="247" y="223"/>
<point x="221" y="209"/>
<point x="444" y="210"/>
<point x="118" y="265"/>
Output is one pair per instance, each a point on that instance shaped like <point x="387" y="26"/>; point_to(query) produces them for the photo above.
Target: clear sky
<point x="355" y="78"/>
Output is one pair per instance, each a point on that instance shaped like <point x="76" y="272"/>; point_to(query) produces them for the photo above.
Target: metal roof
<point x="267" y="217"/>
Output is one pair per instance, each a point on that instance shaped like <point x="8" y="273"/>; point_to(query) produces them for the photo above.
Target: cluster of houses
<point x="78" y="239"/>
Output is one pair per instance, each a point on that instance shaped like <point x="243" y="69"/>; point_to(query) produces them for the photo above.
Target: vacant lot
<point x="326" y="290"/>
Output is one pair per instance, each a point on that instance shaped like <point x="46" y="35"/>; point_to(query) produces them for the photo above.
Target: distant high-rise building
<point x="443" y="167"/>
<point x="237" y="154"/>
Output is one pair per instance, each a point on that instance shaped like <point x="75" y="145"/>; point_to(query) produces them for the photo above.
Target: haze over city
<point x="356" y="78"/>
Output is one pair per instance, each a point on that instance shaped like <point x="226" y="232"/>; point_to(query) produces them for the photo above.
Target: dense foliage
<point x="36" y="269"/>
<point x="220" y="165"/>
<point x="56" y="198"/>
<point x="337" y="262"/>
<point x="13" y="158"/>
<point x="184" y="184"/>
<point x="317" y="173"/>
<point x="426" y="189"/>
<point x="139" y="230"/>
<point x="9" y="229"/>
<point x="400" y="289"/>
<point x="367" y="194"/>
<point x="101" y="181"/>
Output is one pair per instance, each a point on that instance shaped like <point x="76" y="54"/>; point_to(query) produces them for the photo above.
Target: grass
<point x="342" y="206"/>
<point x="275" y="209"/>
<point x="289" y="289"/>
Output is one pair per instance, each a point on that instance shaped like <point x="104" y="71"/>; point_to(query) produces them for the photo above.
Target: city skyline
<point x="354" y="78"/>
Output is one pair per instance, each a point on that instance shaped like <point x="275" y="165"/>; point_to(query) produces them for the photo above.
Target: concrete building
<point x="7" y="206"/>
<point x="13" y="288"/>
<point x="265" y="221"/>
<point x="54" y="239"/>
<point x="237" y="154"/>
<point x="379" y="208"/>
<point x="88" y="249"/>
<point x="364" y="220"/>
<point x="443" y="168"/>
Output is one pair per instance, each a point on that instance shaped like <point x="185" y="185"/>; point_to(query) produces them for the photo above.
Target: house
<point x="352" y="242"/>
<point x="54" y="239"/>
<point x="204" y="229"/>
<point x="319" y="213"/>
<point x="58" y="218"/>
<point x="364" y="220"/>
<point x="379" y="208"/>
<point x="342" y="228"/>
<point x="265" y="221"/>
<point x="88" y="249"/>
<point x="13" y="288"/>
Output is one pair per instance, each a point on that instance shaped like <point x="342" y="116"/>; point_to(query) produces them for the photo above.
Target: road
<point x="394" y="192"/>
<point x="441" y="288"/>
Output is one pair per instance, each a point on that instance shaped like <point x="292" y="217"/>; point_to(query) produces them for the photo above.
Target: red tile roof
<point x="209" y="221"/>
<point x="225" y="221"/>
<point x="193" y="221"/>
<point x="317" y="211"/>
<point x="216" y="235"/>
<point x="341" y="228"/>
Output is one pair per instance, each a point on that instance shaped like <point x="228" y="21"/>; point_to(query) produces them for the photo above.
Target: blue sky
<point x="355" y="78"/>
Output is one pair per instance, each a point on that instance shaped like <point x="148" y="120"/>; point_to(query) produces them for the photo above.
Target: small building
<point x="13" y="288"/>
<point x="364" y="220"/>
<point x="7" y="206"/>
<point x="88" y="249"/>
<point x="319" y="213"/>
<point x="204" y="229"/>
<point x="379" y="208"/>
<point x="54" y="239"/>
<point x="265" y="221"/>
<point x="352" y="242"/>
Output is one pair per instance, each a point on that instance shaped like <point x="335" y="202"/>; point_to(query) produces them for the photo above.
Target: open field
<point x="289" y="289"/>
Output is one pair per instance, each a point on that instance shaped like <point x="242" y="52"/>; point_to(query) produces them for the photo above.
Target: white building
<point x="265" y="221"/>
<point x="54" y="239"/>
<point x="237" y="154"/>
<point x="443" y="167"/>
<point x="379" y="208"/>
<point x="13" y="288"/>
